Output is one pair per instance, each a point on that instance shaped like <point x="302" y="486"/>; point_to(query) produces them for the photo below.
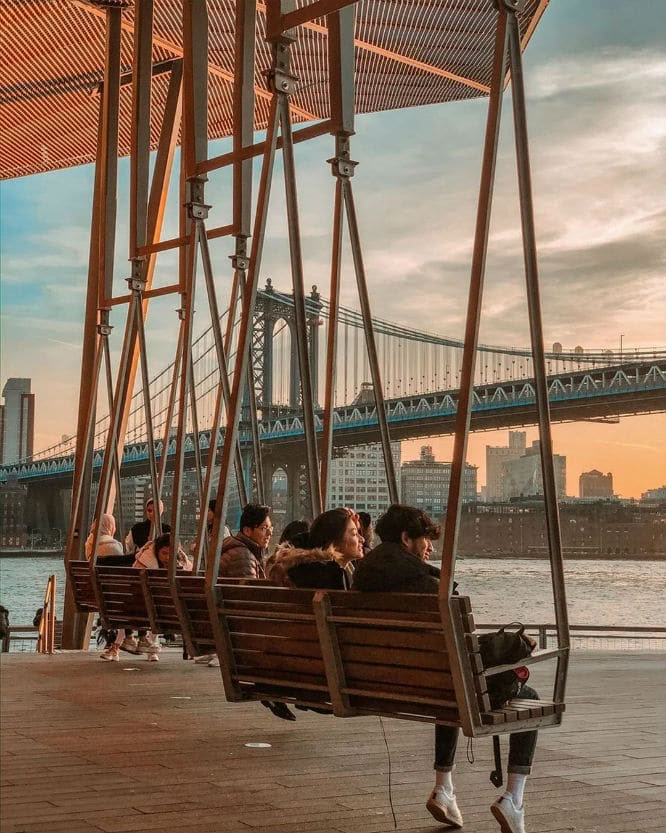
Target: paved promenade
<point x="91" y="746"/>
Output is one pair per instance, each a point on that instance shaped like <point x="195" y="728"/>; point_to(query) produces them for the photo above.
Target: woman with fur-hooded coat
<point x="320" y="559"/>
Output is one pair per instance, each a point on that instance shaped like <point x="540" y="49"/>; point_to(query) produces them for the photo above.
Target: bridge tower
<point x="272" y="307"/>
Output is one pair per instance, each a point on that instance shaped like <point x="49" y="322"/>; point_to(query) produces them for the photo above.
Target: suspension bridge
<point x="420" y="370"/>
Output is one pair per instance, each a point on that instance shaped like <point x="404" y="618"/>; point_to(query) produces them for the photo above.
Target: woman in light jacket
<point x="108" y="545"/>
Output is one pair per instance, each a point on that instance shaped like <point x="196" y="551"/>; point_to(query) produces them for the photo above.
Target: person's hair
<point x="294" y="529"/>
<point x="163" y="540"/>
<point x="211" y="505"/>
<point x="365" y="519"/>
<point x="399" y="518"/>
<point x="329" y="528"/>
<point x="254" y="514"/>
<point x="160" y="542"/>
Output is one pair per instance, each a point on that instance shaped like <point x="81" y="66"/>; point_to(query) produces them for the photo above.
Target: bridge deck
<point x="89" y="746"/>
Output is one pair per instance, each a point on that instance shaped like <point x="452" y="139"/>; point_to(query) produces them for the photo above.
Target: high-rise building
<point x="358" y="479"/>
<point x="496" y="457"/>
<point x="523" y="476"/>
<point x="595" y="484"/>
<point x="425" y="483"/>
<point x="17" y="421"/>
<point x="13" y="500"/>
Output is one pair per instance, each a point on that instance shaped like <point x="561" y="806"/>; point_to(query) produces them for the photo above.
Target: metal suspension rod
<point x="86" y="461"/>
<point x="194" y="145"/>
<point x="536" y="333"/>
<point x="148" y="416"/>
<point x="370" y="340"/>
<point x="307" y="399"/>
<point x="332" y="343"/>
<point x="256" y="439"/>
<point x="195" y="435"/>
<point x="244" y="339"/>
<point x="220" y="352"/>
<point x="105" y="330"/>
<point x="463" y="414"/>
<point x="186" y="314"/>
<point x="101" y="504"/>
<point x="169" y="415"/>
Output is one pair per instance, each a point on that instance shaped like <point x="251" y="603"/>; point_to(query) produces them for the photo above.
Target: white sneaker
<point x="204" y="659"/>
<point x="214" y="662"/>
<point x="111" y="654"/>
<point x="144" y="645"/>
<point x="153" y="658"/>
<point x="130" y="644"/>
<point x="444" y="808"/>
<point x="511" y="818"/>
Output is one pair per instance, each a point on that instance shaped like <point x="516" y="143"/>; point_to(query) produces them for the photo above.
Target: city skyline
<point x="596" y="106"/>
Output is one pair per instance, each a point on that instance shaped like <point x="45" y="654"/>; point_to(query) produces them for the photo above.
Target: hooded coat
<point x="315" y="569"/>
<point x="107" y="546"/>
<point x="241" y="558"/>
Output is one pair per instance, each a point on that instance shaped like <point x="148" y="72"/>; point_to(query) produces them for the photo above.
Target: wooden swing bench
<point x="144" y="599"/>
<point x="365" y="654"/>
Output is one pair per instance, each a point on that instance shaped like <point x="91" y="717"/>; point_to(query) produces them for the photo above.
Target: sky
<point x="596" y="97"/>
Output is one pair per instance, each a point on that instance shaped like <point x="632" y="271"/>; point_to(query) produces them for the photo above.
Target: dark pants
<point x="521" y="744"/>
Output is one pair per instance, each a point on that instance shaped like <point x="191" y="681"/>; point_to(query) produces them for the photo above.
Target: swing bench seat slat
<point x="387" y="657"/>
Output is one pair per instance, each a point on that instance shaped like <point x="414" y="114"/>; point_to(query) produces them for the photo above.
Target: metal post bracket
<point x="137" y="280"/>
<point x="342" y="166"/>
<point x="196" y="206"/>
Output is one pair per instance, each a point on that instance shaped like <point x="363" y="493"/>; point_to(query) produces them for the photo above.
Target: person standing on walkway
<point x="398" y="565"/>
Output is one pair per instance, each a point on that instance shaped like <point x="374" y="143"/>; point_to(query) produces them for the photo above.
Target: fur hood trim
<point x="289" y="557"/>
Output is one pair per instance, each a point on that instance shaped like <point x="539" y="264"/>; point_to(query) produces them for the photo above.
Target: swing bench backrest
<point x="363" y="653"/>
<point x="161" y="606"/>
<point x="270" y="645"/>
<point x="193" y="610"/>
<point x="83" y="589"/>
<point x="122" y="597"/>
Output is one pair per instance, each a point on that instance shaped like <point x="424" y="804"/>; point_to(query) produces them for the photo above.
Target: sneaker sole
<point x="505" y="825"/>
<point x="130" y="651"/>
<point x="437" y="813"/>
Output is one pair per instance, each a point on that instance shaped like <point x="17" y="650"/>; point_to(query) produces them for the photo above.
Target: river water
<point x="620" y="593"/>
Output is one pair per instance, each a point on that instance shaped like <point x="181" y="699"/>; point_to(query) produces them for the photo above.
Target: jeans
<point x="521" y="744"/>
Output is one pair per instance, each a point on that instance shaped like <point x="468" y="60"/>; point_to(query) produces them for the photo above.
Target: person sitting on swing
<point x="398" y="565"/>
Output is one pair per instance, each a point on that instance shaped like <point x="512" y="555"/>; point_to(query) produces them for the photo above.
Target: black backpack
<point x="504" y="647"/>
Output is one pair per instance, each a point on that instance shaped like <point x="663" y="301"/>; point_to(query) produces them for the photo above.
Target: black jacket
<point x="389" y="568"/>
<point x="141" y="532"/>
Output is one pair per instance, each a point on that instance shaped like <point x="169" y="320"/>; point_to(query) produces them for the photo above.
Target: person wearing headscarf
<point x="107" y="545"/>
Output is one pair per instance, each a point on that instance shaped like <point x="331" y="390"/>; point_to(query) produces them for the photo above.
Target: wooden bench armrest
<point x="537" y="656"/>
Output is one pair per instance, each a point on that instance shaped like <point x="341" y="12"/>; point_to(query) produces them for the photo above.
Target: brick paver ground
<point x="136" y="746"/>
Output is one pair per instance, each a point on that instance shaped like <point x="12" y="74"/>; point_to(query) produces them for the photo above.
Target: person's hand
<point x="354" y="516"/>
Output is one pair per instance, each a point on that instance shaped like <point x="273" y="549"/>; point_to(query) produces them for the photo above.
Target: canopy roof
<point x="408" y="53"/>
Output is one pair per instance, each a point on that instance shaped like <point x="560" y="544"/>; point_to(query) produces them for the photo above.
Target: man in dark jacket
<point x="399" y="565"/>
<point x="243" y="554"/>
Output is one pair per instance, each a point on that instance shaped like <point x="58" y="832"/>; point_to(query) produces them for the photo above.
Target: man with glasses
<point x="244" y="553"/>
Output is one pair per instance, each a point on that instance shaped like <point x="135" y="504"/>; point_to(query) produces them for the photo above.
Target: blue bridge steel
<point x="601" y="393"/>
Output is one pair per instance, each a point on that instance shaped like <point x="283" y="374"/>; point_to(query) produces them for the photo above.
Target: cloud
<point x="598" y="149"/>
